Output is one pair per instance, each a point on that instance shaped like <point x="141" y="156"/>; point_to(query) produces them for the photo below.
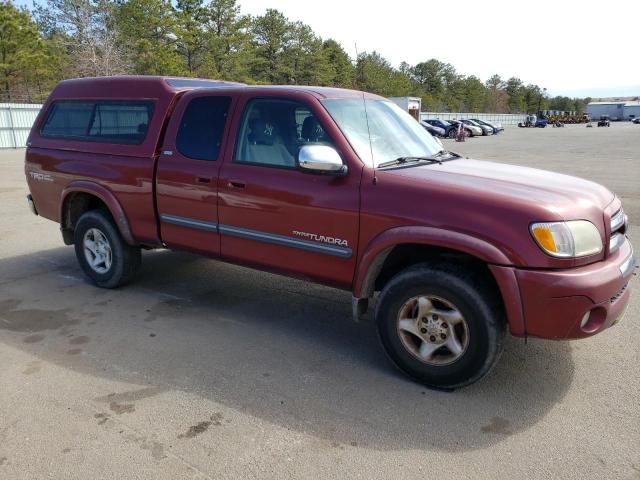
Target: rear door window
<point x="107" y="121"/>
<point x="201" y="127"/>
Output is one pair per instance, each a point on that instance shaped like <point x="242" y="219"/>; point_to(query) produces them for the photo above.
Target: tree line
<point x="214" y="39"/>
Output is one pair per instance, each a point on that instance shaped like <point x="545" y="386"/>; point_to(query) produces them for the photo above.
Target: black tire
<point x="480" y="307"/>
<point x="125" y="259"/>
<point x="451" y="133"/>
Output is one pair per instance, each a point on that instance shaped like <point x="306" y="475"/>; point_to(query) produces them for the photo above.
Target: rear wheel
<point x="440" y="327"/>
<point x="102" y="253"/>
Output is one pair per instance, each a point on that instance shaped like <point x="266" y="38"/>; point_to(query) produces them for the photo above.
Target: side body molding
<point x="377" y="250"/>
<point x="109" y="200"/>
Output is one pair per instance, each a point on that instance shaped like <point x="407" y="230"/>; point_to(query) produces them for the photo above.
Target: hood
<point x="491" y="201"/>
<point x="562" y="196"/>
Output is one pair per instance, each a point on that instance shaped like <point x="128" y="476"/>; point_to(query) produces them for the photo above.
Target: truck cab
<point x="337" y="187"/>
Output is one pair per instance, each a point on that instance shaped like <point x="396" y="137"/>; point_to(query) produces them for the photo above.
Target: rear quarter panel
<point x="52" y="174"/>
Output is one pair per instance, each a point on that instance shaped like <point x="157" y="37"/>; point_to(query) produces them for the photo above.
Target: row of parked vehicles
<point x="472" y="127"/>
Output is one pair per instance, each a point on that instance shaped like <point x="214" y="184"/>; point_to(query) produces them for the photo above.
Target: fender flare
<point x="107" y="197"/>
<point x="378" y="249"/>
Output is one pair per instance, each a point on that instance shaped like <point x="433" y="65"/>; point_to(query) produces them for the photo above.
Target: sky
<point x="575" y="48"/>
<point x="570" y="47"/>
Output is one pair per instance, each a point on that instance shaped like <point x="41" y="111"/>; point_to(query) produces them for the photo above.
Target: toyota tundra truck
<point x="338" y="187"/>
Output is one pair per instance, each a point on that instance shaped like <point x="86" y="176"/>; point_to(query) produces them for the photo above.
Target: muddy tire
<point x="104" y="256"/>
<point x="443" y="327"/>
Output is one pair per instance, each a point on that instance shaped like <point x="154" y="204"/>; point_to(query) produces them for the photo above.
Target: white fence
<point x="16" y="120"/>
<point x="503" y="118"/>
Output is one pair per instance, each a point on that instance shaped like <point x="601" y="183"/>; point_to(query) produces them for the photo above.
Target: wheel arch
<point x="82" y="196"/>
<point x="398" y="248"/>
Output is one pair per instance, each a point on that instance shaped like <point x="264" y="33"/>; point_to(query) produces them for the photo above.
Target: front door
<point x="274" y="216"/>
<point x="187" y="174"/>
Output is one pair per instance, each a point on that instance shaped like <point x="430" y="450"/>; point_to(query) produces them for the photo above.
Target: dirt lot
<point x="206" y="370"/>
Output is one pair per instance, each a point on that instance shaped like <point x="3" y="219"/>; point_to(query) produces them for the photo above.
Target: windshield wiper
<point x="435" y="158"/>
<point x="405" y="160"/>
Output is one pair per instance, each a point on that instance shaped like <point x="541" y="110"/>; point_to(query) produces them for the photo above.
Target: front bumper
<point x="578" y="302"/>
<point x="566" y="304"/>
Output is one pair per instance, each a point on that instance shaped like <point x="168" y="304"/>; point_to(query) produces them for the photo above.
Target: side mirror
<point x="320" y="159"/>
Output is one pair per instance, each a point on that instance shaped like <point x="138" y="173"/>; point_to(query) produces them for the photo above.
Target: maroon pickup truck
<point x="337" y="187"/>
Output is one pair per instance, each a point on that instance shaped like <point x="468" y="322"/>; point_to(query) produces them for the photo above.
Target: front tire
<point x="104" y="256"/>
<point x="440" y="326"/>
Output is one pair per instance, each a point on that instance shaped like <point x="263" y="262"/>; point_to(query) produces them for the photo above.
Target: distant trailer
<point x="413" y="105"/>
<point x="631" y="110"/>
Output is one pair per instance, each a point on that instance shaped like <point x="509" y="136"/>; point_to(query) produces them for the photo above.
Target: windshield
<point x="391" y="132"/>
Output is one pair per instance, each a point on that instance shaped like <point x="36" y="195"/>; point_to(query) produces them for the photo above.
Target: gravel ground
<point x="206" y="370"/>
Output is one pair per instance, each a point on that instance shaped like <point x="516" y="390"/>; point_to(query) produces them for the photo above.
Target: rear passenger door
<point x="187" y="174"/>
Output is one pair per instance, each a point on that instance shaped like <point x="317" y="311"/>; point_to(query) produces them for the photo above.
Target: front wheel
<point x="440" y="327"/>
<point x="102" y="253"/>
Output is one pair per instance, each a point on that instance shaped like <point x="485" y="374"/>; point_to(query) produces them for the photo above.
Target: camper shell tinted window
<point x="107" y="121"/>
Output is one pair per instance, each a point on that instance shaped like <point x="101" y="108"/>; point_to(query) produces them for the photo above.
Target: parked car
<point x="449" y="128"/>
<point x="486" y="130"/>
<point x="340" y="189"/>
<point x="636" y="120"/>
<point x="604" y="121"/>
<point x="433" y="130"/>
<point x="471" y="130"/>
<point x="496" y="126"/>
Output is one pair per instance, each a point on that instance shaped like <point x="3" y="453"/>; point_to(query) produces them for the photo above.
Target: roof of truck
<point x="144" y="86"/>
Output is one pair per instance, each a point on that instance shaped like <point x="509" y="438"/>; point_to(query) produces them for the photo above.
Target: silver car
<point x="486" y="129"/>
<point x="474" y="130"/>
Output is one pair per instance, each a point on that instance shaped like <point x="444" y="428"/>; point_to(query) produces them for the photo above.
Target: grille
<point x="618" y="227"/>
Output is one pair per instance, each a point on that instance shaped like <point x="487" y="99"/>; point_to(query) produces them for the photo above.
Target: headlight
<point x="576" y="238"/>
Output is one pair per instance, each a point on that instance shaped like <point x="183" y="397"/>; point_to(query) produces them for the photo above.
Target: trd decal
<point x="41" y="177"/>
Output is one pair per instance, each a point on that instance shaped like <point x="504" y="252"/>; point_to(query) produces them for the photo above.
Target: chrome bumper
<point x="627" y="267"/>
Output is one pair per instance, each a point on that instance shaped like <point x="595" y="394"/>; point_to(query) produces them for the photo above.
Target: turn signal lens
<point x="576" y="238"/>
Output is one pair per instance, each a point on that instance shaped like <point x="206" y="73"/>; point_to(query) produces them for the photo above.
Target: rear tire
<point x="104" y="256"/>
<point x="441" y="326"/>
